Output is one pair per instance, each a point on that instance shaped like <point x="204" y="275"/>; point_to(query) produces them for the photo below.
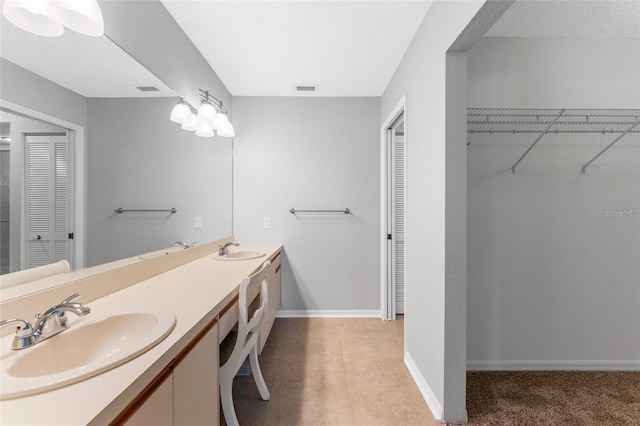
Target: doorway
<point x="48" y="199"/>
<point x="393" y="214"/>
<point x="41" y="189"/>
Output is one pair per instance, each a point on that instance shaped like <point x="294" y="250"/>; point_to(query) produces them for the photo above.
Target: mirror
<point x="124" y="153"/>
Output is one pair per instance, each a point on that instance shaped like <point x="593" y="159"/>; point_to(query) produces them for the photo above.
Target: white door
<point x="47" y="199"/>
<point x="396" y="216"/>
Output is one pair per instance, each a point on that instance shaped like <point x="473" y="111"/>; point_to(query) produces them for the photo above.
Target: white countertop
<point x="195" y="292"/>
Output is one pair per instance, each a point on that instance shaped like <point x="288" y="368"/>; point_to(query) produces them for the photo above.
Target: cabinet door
<point x="195" y="384"/>
<point x="158" y="409"/>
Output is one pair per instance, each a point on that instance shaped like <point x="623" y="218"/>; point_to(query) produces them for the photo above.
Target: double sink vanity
<point x="146" y="353"/>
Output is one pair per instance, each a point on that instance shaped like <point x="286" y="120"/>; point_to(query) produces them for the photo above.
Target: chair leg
<point x="228" y="409"/>
<point x="257" y="374"/>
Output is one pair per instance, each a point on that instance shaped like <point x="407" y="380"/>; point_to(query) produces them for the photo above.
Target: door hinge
<point x="388" y="236"/>
<point x="71" y="235"/>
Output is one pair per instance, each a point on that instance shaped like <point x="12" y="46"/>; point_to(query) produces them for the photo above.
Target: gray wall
<point x="435" y="321"/>
<point x="554" y="281"/>
<point x="312" y="153"/>
<point x="139" y="159"/>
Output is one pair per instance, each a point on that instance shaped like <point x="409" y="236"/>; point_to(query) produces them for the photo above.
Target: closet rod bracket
<point x="584" y="168"/>
<point x="544" y="132"/>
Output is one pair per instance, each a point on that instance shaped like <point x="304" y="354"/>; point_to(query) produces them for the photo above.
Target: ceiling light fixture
<point x="211" y="116"/>
<point x="49" y="17"/>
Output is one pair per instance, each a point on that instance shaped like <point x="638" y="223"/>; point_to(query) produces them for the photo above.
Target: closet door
<point x="47" y="199"/>
<point x="398" y="216"/>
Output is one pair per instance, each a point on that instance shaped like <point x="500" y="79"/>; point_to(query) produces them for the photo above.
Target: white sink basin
<point x="240" y="255"/>
<point x="90" y="347"/>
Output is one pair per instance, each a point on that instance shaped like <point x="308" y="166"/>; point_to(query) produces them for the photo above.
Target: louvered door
<point x="398" y="218"/>
<point x="47" y="199"/>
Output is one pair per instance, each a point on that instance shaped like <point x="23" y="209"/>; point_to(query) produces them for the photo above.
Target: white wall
<point x="555" y="73"/>
<point x="312" y="153"/>
<point x="435" y="328"/>
<point x="553" y="281"/>
<point x="139" y="159"/>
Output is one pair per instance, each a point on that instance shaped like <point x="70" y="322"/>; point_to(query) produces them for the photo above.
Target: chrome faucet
<point x="52" y="322"/>
<point x="224" y="250"/>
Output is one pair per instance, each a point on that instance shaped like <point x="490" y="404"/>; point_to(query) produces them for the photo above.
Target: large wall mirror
<point x="86" y="131"/>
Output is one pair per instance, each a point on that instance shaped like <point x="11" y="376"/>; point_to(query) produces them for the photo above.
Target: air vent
<point x="148" y="89"/>
<point x="306" y="88"/>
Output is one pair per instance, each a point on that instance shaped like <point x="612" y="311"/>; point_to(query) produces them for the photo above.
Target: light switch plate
<point x="198" y="222"/>
<point x="266" y="222"/>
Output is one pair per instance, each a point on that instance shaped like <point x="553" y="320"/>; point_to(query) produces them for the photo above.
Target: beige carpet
<point x="553" y="398"/>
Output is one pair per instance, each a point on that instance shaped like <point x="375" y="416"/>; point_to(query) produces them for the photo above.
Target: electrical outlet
<point x="198" y="222"/>
<point x="266" y="222"/>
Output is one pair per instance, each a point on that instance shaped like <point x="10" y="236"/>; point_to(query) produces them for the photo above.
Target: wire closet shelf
<point x="540" y="122"/>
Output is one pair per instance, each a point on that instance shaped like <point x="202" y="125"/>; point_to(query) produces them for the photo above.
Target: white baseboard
<point x="423" y="386"/>
<point x="328" y="314"/>
<point x="567" y="365"/>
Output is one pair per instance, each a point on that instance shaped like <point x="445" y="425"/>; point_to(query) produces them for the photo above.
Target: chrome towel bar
<point x="121" y="210"/>
<point x="294" y="211"/>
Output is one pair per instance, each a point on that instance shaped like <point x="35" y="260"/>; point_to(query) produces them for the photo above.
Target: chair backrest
<point x="33" y="274"/>
<point x="246" y="324"/>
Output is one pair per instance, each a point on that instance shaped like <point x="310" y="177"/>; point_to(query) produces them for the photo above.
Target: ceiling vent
<point x="307" y="88"/>
<point x="148" y="89"/>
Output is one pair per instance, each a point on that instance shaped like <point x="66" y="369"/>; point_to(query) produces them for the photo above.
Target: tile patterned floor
<point x="326" y="371"/>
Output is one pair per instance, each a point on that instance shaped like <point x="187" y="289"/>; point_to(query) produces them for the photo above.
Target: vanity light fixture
<point x="208" y="113"/>
<point x="211" y="116"/>
<point x="180" y="112"/>
<point x="191" y="123"/>
<point x="49" y="17"/>
<point x="205" y="129"/>
<point x="225" y="128"/>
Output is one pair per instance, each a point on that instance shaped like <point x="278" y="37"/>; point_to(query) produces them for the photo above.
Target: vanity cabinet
<point x="186" y="392"/>
<point x="157" y="409"/>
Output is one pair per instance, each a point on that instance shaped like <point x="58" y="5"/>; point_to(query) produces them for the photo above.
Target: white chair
<point x="33" y="274"/>
<point x="246" y="343"/>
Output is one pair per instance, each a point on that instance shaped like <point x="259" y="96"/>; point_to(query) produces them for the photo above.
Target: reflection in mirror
<point x="123" y="152"/>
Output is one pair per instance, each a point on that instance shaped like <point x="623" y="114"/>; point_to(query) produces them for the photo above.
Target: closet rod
<point x="515" y="132"/>
<point x="610" y="145"/>
<point x="544" y="132"/>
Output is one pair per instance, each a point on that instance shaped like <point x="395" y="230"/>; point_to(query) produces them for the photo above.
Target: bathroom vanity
<point x="173" y="382"/>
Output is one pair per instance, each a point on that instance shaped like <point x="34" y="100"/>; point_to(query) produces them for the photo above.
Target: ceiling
<point x="266" y="48"/>
<point x="93" y="67"/>
<point x="562" y="18"/>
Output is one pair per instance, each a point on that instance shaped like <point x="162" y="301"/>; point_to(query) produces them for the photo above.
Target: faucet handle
<point x="24" y="334"/>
